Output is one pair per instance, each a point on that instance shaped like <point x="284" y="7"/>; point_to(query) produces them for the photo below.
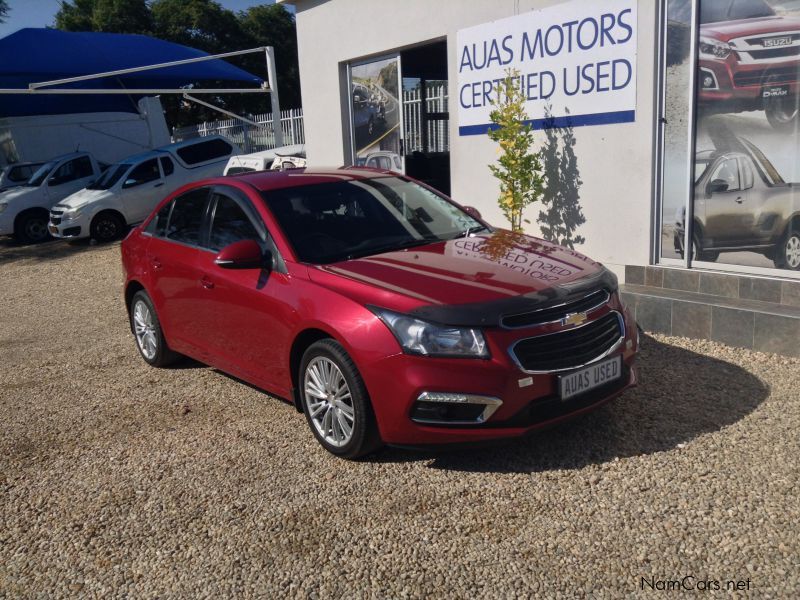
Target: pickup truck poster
<point x="746" y="210"/>
<point x="375" y="110"/>
<point x="578" y="56"/>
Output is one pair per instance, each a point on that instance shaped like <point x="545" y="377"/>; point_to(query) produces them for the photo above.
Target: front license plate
<point x="589" y="378"/>
<point x="775" y="91"/>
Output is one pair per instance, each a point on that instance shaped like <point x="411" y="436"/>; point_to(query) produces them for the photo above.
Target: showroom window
<point x="730" y="137"/>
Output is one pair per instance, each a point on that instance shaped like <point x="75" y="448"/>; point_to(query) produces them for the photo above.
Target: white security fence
<point x="438" y="131"/>
<point x="248" y="137"/>
<point x="254" y="139"/>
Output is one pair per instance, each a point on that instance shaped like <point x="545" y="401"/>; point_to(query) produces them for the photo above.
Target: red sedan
<point x="381" y="309"/>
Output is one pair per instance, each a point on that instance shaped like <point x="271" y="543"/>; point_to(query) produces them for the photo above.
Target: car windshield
<point x="109" y="177"/>
<point x="330" y="222"/>
<point x="733" y="10"/>
<point x="41" y="174"/>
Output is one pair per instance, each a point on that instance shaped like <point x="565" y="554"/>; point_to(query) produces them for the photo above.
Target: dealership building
<point x="663" y="125"/>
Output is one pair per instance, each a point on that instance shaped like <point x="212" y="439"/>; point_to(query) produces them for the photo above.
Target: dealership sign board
<point x="579" y="58"/>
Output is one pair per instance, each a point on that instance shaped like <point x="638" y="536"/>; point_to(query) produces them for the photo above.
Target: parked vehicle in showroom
<point x="128" y="191"/>
<point x="274" y="159"/>
<point x="17" y="174"/>
<point x="742" y="203"/>
<point x="381" y="159"/>
<point x="384" y="311"/>
<point x="24" y="211"/>
<point x="749" y="59"/>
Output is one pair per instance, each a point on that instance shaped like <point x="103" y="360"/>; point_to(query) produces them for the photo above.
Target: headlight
<point x="72" y="213"/>
<point x="420" y="337"/>
<point x="714" y="48"/>
<point x="3" y="206"/>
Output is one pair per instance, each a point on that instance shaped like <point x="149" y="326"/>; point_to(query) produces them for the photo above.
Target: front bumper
<point x="6" y="223"/>
<point x="530" y="401"/>
<point x="732" y="81"/>
<point x="72" y="229"/>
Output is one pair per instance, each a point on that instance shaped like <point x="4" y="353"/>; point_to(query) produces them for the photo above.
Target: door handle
<point x="158" y="184"/>
<point x="156" y="264"/>
<point x="739" y="200"/>
<point x="207" y="283"/>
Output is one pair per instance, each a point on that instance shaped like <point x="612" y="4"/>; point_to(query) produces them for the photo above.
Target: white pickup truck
<point x="24" y="210"/>
<point x="128" y="191"/>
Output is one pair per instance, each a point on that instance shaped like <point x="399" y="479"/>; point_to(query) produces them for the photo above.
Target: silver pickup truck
<point x="742" y="203"/>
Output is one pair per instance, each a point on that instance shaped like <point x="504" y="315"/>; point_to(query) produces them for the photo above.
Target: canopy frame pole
<point x="222" y="110"/>
<point x="272" y="84"/>
<point x="173" y="63"/>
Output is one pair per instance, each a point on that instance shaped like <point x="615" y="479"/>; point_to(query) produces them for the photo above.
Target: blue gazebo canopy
<point x="35" y="55"/>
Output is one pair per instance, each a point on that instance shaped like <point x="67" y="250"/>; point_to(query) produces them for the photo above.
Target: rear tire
<point x="335" y="401"/>
<point x="787" y="253"/>
<point x="30" y="227"/>
<point x="107" y="227"/>
<point x="147" y="331"/>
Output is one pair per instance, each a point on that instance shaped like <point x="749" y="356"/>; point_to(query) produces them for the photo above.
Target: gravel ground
<point x="119" y="479"/>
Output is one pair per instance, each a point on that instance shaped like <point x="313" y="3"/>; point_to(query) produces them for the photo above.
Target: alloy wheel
<point x="329" y="401"/>
<point x="107" y="229"/>
<point x="792" y="251"/>
<point x="145" y="330"/>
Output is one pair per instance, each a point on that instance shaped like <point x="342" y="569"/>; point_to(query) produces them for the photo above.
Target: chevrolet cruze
<point x="382" y="310"/>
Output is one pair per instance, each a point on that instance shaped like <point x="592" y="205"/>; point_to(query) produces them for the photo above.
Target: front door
<point x="243" y="313"/>
<point x="140" y="190"/>
<point x="728" y="212"/>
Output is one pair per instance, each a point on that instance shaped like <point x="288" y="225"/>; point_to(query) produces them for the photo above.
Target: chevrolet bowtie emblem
<point x="574" y="319"/>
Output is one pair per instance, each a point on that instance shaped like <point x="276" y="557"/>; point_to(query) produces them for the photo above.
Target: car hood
<point x="468" y="281"/>
<point x="728" y="30"/>
<point x="16" y="193"/>
<point x="83" y="197"/>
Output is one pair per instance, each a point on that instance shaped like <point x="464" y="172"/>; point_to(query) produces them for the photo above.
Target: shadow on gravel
<point x="11" y="251"/>
<point x="681" y="396"/>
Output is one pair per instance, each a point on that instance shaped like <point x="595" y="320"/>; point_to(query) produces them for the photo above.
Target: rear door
<point x="173" y="256"/>
<point x="140" y="191"/>
<point x="244" y="314"/>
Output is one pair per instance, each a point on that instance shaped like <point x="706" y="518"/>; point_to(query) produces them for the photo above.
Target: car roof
<point x="275" y="180"/>
<point x="170" y="148"/>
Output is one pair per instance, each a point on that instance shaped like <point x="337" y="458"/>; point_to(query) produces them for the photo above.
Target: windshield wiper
<point x="469" y="231"/>
<point x="390" y="248"/>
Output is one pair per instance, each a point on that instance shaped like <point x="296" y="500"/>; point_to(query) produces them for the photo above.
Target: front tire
<point x="107" y="227"/>
<point x="787" y="254"/>
<point x="782" y="112"/>
<point x="31" y="227"/>
<point x="146" y="329"/>
<point x="335" y="401"/>
<point x="697" y="254"/>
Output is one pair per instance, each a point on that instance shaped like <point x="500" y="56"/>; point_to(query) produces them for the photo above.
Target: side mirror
<point x="718" y="185"/>
<point x="244" y="254"/>
<point x="472" y="212"/>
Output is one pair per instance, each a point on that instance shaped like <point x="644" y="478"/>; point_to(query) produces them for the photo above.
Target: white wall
<point x="615" y="161"/>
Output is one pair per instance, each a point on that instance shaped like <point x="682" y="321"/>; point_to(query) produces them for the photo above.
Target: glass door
<point x="376" y="127"/>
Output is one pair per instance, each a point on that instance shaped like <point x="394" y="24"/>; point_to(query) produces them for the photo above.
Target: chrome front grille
<point x="553" y="314"/>
<point x="570" y="348"/>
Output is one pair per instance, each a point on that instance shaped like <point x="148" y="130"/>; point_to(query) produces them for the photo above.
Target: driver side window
<point x="144" y="173"/>
<point x="230" y="224"/>
<point x="728" y="172"/>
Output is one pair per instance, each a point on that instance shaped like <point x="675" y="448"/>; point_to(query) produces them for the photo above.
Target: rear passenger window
<point x="204" y="151"/>
<point x="167" y="166"/>
<point x="231" y="224"/>
<point x="158" y="225"/>
<point x="186" y="219"/>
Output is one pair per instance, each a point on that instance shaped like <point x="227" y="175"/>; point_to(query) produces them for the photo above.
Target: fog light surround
<point x="453" y="408"/>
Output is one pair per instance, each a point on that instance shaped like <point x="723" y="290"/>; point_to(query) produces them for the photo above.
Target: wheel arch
<point x="30" y="210"/>
<point x="131" y="288"/>
<point x="104" y="210"/>
<point x="300" y="344"/>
